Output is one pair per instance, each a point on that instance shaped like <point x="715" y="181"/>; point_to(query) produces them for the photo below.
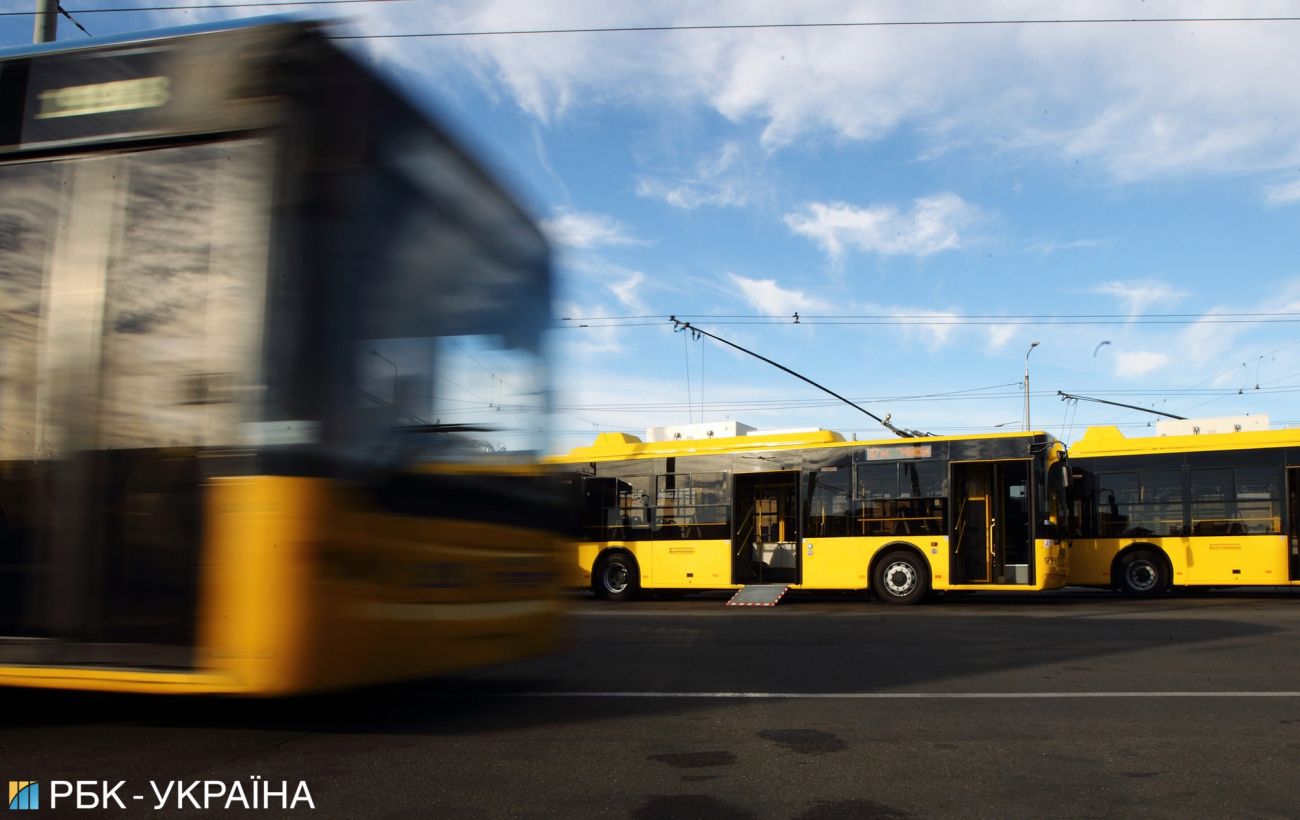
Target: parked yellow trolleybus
<point x="1187" y="509"/>
<point x="249" y="300"/>
<point x="811" y="510"/>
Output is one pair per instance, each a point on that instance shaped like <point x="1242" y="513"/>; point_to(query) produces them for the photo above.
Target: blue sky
<point x="942" y="172"/>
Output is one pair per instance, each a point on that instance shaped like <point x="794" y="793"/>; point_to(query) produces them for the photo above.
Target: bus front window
<point x="473" y="392"/>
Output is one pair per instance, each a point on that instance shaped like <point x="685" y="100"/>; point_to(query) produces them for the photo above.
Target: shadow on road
<point x="968" y="642"/>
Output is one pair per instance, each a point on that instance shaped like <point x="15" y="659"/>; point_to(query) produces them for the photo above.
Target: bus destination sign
<point x="898" y="451"/>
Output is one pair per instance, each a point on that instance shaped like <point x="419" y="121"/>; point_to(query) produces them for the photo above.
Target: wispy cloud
<point x="769" y="298"/>
<point x="934" y="328"/>
<point x="583" y="340"/>
<point x="1136" y="106"/>
<point x="720" y="180"/>
<point x="932" y="224"/>
<point x="626" y="290"/>
<point x="1048" y="247"/>
<point x="1285" y="194"/>
<point x="588" y="272"/>
<point x="1000" y="336"/>
<point x="1136" y="363"/>
<point x="1138" y="295"/>
<point x="579" y="229"/>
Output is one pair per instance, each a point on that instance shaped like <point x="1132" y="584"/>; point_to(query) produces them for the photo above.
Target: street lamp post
<point x="1027" y="352"/>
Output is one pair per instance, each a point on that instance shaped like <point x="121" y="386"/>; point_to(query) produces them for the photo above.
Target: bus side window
<point x="1259" y="500"/>
<point x="1117" y="493"/>
<point x="1214" y="504"/>
<point x="828" y="510"/>
<point x="875" y="498"/>
<point x="634" y="503"/>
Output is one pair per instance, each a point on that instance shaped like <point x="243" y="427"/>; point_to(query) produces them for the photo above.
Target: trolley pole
<point x="1027" y="352"/>
<point x="47" y="21"/>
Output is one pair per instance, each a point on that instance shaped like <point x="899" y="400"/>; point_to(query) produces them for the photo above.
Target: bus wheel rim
<point x="1142" y="575"/>
<point x="615" y="577"/>
<point x="900" y="578"/>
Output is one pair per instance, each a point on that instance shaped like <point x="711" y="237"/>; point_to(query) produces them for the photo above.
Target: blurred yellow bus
<point x="812" y="511"/>
<point x="1186" y="509"/>
<point x="250" y="302"/>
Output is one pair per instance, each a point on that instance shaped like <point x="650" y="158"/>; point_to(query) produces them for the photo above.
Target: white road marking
<point x="892" y="695"/>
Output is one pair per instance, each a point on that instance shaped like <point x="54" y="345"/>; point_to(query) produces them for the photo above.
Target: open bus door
<point x="990" y="541"/>
<point x="765" y="544"/>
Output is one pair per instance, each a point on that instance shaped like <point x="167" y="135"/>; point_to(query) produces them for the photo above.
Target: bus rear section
<point x="1193" y="506"/>
<point x="244" y="290"/>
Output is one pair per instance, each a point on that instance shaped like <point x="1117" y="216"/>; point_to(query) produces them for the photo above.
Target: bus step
<point x="758" y="595"/>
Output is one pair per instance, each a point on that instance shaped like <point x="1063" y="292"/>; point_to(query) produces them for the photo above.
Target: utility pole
<point x="47" y="21"/>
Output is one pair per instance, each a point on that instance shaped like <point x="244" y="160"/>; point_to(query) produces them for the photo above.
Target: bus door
<point x="990" y="539"/>
<point x="765" y="545"/>
<point x="1293" y="522"/>
<point x="126" y="367"/>
<point x="53" y="545"/>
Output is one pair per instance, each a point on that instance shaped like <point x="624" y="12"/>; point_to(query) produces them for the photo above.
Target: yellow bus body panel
<point x="685" y="564"/>
<point x="1256" y="560"/>
<point x="828" y="563"/>
<point x="303" y="590"/>
<point x="837" y="563"/>
<point x="1110" y="441"/>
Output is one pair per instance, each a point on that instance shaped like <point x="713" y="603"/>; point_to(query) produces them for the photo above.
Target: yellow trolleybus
<point x="250" y="301"/>
<point x="1185" y="509"/>
<point x="813" y="511"/>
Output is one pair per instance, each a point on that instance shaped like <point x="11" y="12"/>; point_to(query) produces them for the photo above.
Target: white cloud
<point x="1284" y="194"/>
<point x="933" y="224"/>
<point x="1000" y="336"/>
<point x="1139" y="363"/>
<point x="718" y="180"/>
<point x="933" y="327"/>
<point x="1135" y="101"/>
<point x="1205" y="342"/>
<point x="587" y="339"/>
<point x="626" y="291"/>
<point x="1050" y="246"/>
<point x="577" y="229"/>
<point x="585" y="274"/>
<point x="769" y="298"/>
<point x="1138" y="295"/>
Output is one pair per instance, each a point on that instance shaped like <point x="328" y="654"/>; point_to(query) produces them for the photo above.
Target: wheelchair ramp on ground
<point x="758" y="595"/>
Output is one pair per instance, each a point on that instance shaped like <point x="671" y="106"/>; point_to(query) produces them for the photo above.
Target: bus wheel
<point x="1142" y="572"/>
<point x="900" y="578"/>
<point x="617" y="577"/>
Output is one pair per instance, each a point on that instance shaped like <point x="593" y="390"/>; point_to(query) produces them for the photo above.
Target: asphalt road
<point x="1076" y="704"/>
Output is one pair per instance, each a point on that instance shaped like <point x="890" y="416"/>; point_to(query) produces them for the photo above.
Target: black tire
<point x="1142" y="572"/>
<point x="616" y="577"/>
<point x="901" y="577"/>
